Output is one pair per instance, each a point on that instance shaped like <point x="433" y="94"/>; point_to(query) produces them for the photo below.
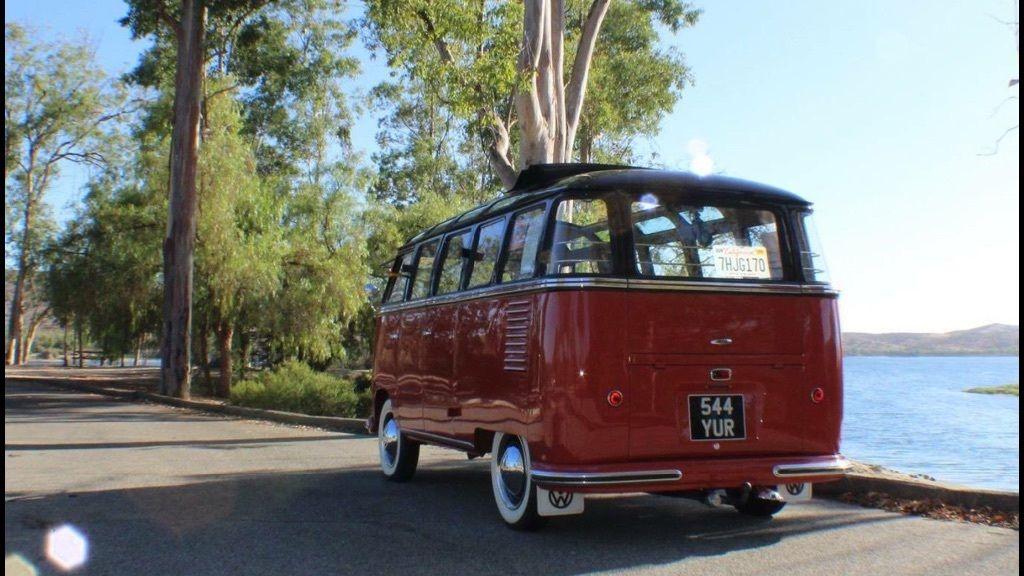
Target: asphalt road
<point x="157" y="490"/>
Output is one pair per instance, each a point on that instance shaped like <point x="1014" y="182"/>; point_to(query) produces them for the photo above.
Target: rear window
<point x="705" y="241"/>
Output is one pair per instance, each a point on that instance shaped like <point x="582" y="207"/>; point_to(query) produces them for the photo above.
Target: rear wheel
<point x="514" y="492"/>
<point x="398" y="454"/>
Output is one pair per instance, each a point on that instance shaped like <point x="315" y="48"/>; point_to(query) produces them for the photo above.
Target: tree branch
<point x="577" y="88"/>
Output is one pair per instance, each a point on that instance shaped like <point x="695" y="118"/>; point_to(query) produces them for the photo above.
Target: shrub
<point x="295" y="387"/>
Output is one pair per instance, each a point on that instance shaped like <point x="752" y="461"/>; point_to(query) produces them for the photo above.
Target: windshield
<point x="679" y="239"/>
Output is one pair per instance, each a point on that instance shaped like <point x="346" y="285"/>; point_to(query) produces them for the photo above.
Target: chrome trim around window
<point x="603" y="478"/>
<point x="606" y="283"/>
<point x="832" y="467"/>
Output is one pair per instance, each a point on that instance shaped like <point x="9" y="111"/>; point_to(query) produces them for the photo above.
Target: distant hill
<point x="991" y="340"/>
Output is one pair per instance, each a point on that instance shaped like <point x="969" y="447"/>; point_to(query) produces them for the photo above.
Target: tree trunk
<point x="30" y="337"/>
<point x="17" y="310"/>
<point x="81" y="345"/>
<point x="66" y="359"/>
<point x="204" y="355"/>
<point x="138" y="349"/>
<point x="179" y="244"/>
<point x="225" y="332"/>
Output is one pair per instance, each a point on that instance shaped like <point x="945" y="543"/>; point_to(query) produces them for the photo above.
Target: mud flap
<point x="795" y="493"/>
<point x="558" y="503"/>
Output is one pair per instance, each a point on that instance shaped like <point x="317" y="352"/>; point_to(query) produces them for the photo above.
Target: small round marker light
<point x="615" y="398"/>
<point x="817" y="395"/>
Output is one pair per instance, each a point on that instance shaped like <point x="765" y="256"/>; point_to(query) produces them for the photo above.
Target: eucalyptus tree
<point x="275" y="49"/>
<point x="59" y="109"/>
<point x="502" y="65"/>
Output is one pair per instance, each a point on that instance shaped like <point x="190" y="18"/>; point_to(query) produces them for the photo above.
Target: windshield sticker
<point x="741" y="262"/>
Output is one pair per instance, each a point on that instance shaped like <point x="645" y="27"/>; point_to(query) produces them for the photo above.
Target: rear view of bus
<point x="701" y="353"/>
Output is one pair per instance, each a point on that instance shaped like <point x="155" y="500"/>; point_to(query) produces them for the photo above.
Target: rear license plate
<point x="717" y="417"/>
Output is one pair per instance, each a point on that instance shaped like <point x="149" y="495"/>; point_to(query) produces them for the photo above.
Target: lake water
<point x="912" y="414"/>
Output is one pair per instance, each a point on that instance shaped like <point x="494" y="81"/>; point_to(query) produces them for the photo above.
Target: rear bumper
<point x="679" y="475"/>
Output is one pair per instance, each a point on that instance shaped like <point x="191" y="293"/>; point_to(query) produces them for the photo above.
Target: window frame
<point x="463" y="267"/>
<point x="618" y="241"/>
<point x="396" y="273"/>
<point x="416" y="271"/>
<point x="791" y="274"/>
<point x="478" y="228"/>
<point x="499" y="270"/>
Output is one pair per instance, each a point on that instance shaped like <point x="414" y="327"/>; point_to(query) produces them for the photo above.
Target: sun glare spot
<point x="15" y="565"/>
<point x="67" y="547"/>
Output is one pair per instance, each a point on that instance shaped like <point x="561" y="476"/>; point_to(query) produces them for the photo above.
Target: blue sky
<point x="878" y="111"/>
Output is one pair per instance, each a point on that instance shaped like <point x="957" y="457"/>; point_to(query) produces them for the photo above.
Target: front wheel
<point x="398" y="454"/>
<point x="514" y="492"/>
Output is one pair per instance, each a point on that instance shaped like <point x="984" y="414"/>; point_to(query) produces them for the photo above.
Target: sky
<point x="882" y="113"/>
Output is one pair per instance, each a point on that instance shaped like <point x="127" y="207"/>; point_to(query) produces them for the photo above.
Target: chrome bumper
<point x="603" y="478"/>
<point x="830" y="467"/>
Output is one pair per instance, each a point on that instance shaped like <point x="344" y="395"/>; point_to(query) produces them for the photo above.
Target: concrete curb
<point x="350" y="425"/>
<point x="912" y="489"/>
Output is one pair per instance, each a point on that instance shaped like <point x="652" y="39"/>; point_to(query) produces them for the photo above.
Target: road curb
<point x="911" y="489"/>
<point x="350" y="425"/>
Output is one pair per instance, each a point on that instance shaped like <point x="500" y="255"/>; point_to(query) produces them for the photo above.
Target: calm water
<point x="912" y="415"/>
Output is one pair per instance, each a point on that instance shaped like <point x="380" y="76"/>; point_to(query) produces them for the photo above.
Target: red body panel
<point x="540" y="364"/>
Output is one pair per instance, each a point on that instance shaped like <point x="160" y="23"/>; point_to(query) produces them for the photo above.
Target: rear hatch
<point x="717" y="374"/>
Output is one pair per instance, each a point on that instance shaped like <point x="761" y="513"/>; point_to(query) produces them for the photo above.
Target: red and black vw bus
<point x="610" y="329"/>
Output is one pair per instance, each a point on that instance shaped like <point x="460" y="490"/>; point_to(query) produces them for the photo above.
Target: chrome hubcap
<point x="512" y="475"/>
<point x="389" y="441"/>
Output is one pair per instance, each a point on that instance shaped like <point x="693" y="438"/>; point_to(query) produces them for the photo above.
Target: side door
<point x="440" y="324"/>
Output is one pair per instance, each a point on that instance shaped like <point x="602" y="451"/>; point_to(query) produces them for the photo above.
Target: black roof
<point x="537" y="182"/>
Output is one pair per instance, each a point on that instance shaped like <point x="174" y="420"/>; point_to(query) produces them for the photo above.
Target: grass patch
<point x="295" y="387"/>
<point x="1008" y="389"/>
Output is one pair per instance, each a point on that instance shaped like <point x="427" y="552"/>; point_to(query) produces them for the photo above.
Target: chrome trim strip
<point x="579" y="283"/>
<point x="819" y="468"/>
<point x="604" y="478"/>
<point x="441" y="440"/>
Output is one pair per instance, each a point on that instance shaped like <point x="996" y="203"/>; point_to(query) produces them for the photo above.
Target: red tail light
<point x="817" y="395"/>
<point x="615" y="398"/>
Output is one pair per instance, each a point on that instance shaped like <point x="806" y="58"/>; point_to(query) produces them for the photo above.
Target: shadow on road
<point x="351" y="521"/>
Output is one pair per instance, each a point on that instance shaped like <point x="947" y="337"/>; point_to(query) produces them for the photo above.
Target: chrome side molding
<point x="603" y="478"/>
<point x="830" y="467"/>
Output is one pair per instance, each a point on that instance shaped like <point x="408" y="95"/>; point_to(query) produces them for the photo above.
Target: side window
<point x="451" y="263"/>
<point x="488" y="244"/>
<point x="582" y="241"/>
<point x="523" y="245"/>
<point x="401" y="273"/>
<point x="424" y="266"/>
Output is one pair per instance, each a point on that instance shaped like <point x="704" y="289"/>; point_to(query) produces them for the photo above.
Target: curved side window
<point x="400" y="279"/>
<point x="582" y="239"/>
<point x="455" y="251"/>
<point x="485" y="253"/>
<point x="424" y="268"/>
<point x="524" y="245"/>
<point x="812" y="257"/>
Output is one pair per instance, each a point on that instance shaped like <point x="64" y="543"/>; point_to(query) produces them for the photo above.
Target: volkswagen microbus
<point x="604" y="329"/>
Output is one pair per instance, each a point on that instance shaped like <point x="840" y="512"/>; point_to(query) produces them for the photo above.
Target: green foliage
<point x="295" y="387"/>
<point x="1007" y="389"/>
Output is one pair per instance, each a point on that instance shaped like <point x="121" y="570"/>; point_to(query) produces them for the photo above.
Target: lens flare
<point x="67" y="547"/>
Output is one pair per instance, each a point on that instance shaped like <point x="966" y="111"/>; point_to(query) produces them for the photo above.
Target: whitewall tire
<point x="398" y="454"/>
<point x="514" y="492"/>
